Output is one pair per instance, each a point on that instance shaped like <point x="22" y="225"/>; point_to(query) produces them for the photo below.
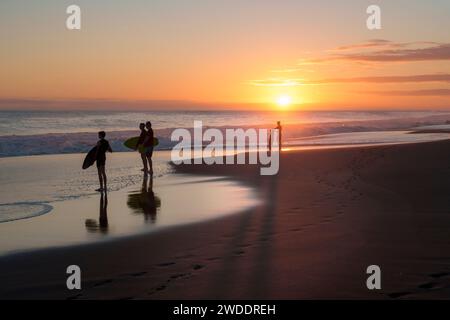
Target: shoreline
<point x="141" y="208"/>
<point x="328" y="215"/>
<point x="69" y="142"/>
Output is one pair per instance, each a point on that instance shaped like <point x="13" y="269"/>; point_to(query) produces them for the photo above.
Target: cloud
<point x="382" y="43"/>
<point x="411" y="93"/>
<point x="372" y="52"/>
<point x="279" y="82"/>
<point x="430" y="53"/>
<point x="276" y="82"/>
<point x="364" y="45"/>
<point x="388" y="79"/>
<point x="384" y="51"/>
<point x="291" y="70"/>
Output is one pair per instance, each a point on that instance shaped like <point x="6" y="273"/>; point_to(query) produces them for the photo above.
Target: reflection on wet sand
<point x="102" y="225"/>
<point x="145" y="202"/>
<point x="82" y="220"/>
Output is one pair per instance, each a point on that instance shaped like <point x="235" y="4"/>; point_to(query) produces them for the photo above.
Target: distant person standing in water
<point x="140" y="142"/>
<point x="148" y="147"/>
<point x="279" y="128"/>
<point x="102" y="147"/>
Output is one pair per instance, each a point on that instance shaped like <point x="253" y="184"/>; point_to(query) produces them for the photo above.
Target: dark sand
<point x="328" y="215"/>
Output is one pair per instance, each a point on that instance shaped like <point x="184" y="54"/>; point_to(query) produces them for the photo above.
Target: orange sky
<point x="230" y="54"/>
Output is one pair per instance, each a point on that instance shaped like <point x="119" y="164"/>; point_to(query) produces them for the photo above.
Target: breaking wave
<point x="80" y="142"/>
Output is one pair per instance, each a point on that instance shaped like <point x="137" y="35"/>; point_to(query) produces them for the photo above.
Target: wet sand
<point x="164" y="202"/>
<point x="326" y="217"/>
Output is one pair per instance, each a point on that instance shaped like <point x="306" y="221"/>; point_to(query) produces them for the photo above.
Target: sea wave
<point x="80" y="142"/>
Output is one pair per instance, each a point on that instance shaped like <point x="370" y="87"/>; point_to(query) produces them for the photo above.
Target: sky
<point x="226" y="54"/>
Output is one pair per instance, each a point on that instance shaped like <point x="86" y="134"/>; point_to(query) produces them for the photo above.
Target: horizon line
<point x="42" y="104"/>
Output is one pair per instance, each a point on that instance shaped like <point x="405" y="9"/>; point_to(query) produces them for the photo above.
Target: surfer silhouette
<point x="140" y="143"/>
<point x="148" y="147"/>
<point x="100" y="156"/>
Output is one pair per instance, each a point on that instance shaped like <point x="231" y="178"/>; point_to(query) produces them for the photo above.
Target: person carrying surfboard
<point x="140" y="142"/>
<point x="103" y="146"/>
<point x="148" y="147"/>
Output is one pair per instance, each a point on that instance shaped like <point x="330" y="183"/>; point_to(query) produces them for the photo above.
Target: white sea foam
<point x="30" y="186"/>
<point x="22" y="210"/>
<point x="59" y="133"/>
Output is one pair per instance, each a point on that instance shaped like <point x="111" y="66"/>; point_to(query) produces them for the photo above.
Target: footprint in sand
<point x="440" y="275"/>
<point x="102" y="283"/>
<point x="186" y="256"/>
<point x="138" y="274"/>
<point x="213" y="258"/>
<point x="424" y="286"/>
<point x="178" y="276"/>
<point x="165" y="264"/>
<point x="197" y="266"/>
<point x="168" y="281"/>
<point x="396" y="295"/>
<point x="428" y="285"/>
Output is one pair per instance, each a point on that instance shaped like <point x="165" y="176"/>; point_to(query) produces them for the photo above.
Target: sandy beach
<point x="322" y="221"/>
<point x="223" y="158"/>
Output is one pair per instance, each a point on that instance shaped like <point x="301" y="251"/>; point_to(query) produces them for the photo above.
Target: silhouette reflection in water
<point x="145" y="202"/>
<point x="102" y="225"/>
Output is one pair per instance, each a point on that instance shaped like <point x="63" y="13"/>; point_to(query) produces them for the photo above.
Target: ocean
<point x="41" y="155"/>
<point x="24" y="133"/>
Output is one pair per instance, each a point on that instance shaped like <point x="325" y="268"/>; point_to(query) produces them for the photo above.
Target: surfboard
<point x="132" y="142"/>
<point x="89" y="160"/>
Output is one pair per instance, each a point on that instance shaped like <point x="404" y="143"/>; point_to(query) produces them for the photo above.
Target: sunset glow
<point x="284" y="101"/>
<point x="209" y="156"/>
<point x="165" y="51"/>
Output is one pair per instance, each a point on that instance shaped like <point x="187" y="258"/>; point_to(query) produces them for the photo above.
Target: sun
<point x="284" y="101"/>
